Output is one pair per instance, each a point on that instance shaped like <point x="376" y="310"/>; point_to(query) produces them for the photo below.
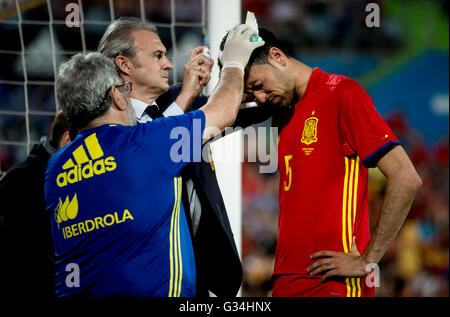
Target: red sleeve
<point x="363" y="131"/>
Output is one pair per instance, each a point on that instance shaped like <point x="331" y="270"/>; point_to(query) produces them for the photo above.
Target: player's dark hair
<point x="260" y="55"/>
<point x="59" y="126"/>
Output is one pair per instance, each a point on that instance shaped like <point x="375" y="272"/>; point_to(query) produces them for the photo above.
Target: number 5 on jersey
<point x="287" y="158"/>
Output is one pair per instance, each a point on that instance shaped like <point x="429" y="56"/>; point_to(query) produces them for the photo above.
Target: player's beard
<point x="284" y="91"/>
<point x="284" y="101"/>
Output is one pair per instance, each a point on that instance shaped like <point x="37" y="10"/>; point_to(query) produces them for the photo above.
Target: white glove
<point x="239" y="47"/>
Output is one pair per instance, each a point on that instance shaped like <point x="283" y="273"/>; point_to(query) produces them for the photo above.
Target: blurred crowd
<point x="325" y="24"/>
<point x="417" y="262"/>
<point x="303" y="26"/>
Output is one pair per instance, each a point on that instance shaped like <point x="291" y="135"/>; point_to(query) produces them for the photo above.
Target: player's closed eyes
<point x="257" y="87"/>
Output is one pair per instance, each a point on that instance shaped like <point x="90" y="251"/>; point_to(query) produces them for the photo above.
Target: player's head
<point x="88" y="88"/>
<point x="267" y="77"/>
<point x="138" y="54"/>
<point x="59" y="132"/>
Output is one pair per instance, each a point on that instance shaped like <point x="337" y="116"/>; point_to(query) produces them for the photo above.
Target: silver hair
<point x="82" y="86"/>
<point x="117" y="39"/>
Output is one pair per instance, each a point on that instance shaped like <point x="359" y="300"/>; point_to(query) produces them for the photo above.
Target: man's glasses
<point x="127" y="87"/>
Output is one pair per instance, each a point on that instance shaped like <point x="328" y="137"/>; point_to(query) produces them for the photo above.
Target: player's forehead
<point x="255" y="74"/>
<point x="147" y="41"/>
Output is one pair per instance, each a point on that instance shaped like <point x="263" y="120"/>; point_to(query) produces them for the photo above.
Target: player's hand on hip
<point x="333" y="264"/>
<point x="239" y="47"/>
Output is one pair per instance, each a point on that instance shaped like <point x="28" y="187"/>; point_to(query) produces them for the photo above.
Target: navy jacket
<point x="26" y="248"/>
<point x="219" y="268"/>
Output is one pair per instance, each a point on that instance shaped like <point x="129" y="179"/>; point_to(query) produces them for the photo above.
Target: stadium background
<point x="404" y="65"/>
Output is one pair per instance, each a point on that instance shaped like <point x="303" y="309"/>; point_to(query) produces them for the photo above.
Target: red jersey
<point x="324" y="151"/>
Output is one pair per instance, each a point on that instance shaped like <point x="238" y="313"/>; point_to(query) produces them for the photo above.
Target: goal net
<point x="39" y="35"/>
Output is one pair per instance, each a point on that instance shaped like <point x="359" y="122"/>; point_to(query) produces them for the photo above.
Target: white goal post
<point x="223" y="16"/>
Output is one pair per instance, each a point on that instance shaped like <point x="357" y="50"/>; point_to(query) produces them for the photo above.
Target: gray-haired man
<point x="119" y="228"/>
<point x="140" y="57"/>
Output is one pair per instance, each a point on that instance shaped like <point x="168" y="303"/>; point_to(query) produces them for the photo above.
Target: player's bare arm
<point x="402" y="185"/>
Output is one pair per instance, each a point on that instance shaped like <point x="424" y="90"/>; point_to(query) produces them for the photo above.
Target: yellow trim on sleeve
<point x="178" y="241"/>
<point x="344" y="209"/>
<point x="350" y="204"/>
<point x="171" y="238"/>
<point x="174" y="241"/>
<point x="355" y="193"/>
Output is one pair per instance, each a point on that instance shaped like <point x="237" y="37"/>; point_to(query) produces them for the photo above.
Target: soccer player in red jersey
<point x="330" y="135"/>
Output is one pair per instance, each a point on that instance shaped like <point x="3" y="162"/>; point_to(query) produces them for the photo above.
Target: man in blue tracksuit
<point x="138" y="53"/>
<point x="97" y="187"/>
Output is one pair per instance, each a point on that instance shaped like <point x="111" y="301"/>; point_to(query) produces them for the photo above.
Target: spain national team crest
<point x="309" y="134"/>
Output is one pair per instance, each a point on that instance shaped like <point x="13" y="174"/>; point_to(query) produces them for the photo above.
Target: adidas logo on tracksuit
<point x="86" y="168"/>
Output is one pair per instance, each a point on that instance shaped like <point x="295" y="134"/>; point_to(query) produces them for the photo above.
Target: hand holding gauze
<point x="239" y="47"/>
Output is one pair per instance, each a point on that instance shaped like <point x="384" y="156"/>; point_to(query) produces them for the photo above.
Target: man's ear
<point x="123" y="64"/>
<point x="65" y="139"/>
<point x="118" y="100"/>
<point x="276" y="56"/>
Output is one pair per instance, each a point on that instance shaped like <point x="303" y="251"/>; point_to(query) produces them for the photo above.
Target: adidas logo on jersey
<point x="85" y="167"/>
